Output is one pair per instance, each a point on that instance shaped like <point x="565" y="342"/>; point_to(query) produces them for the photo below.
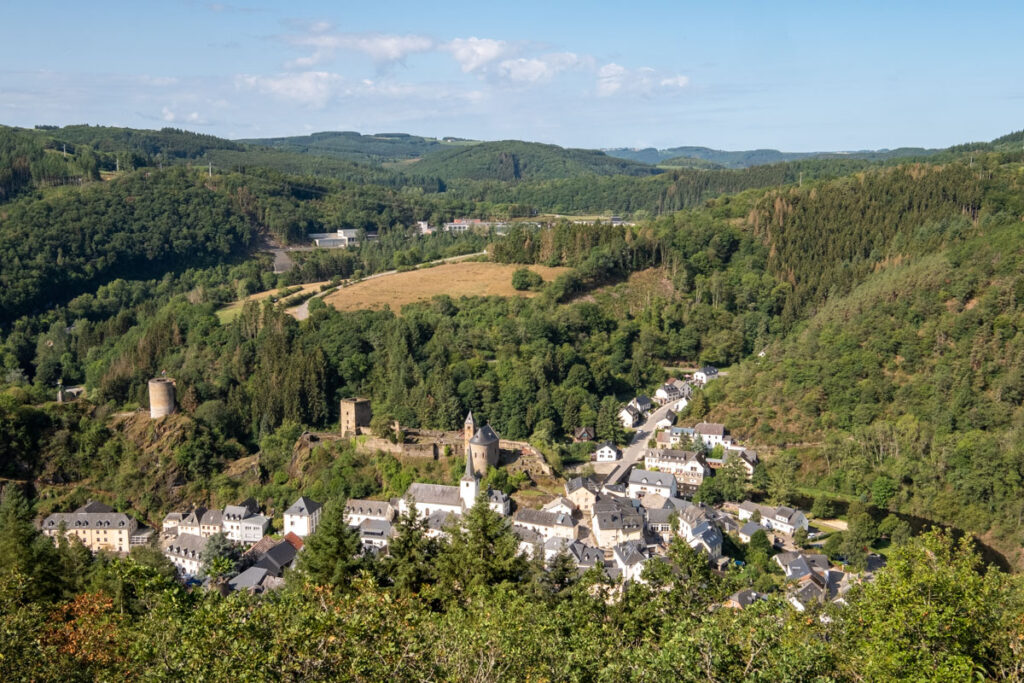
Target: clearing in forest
<point x="469" y="278"/>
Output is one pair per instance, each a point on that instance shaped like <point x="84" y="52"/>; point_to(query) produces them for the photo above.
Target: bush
<point x="524" y="279"/>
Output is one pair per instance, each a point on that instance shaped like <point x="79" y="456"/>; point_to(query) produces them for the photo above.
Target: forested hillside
<point x="512" y="160"/>
<point x="754" y="157"/>
<point x="351" y="146"/>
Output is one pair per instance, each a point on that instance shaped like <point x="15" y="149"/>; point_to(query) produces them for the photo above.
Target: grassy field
<point x="454" y="279"/>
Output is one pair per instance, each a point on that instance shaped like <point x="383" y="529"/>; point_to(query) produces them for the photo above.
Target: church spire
<point x="470" y="474"/>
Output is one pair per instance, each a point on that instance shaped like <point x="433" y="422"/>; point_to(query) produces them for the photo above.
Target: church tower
<point x="469" y="485"/>
<point x="468" y="430"/>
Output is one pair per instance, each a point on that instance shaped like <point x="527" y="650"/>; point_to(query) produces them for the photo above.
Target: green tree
<point x="411" y="554"/>
<point x="822" y="508"/>
<point x="218" y="558"/>
<point x="524" y="278"/>
<point x="331" y="556"/>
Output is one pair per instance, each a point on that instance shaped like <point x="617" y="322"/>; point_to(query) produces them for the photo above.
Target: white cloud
<point x="311" y="88"/>
<point x="380" y="47"/>
<point x="675" y="82"/>
<point x="474" y="53"/>
<point x="610" y="78"/>
<point x="615" y="79"/>
<point x="169" y="116"/>
<point x="538" y="69"/>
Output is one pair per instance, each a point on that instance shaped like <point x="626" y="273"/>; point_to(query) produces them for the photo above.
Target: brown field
<point x="454" y="279"/>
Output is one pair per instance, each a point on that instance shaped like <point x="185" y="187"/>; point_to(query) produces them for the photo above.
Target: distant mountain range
<point x="701" y="157"/>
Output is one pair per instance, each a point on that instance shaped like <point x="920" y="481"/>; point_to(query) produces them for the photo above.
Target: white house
<point x="561" y="505"/>
<point x="642" y="482"/>
<point x="630" y="416"/>
<point x="607" y="452"/>
<point x="358" y="509"/>
<point x="630" y="557"/>
<point x="712" y="434"/>
<point x="705" y="375"/>
<point x="547" y="524"/>
<point x="667" y="421"/>
<point x="782" y="519"/>
<point x="252" y="529"/>
<point x="642" y="404"/>
<point x="689" y="468"/>
<point x="302" y="517"/>
<point x="184" y="552"/>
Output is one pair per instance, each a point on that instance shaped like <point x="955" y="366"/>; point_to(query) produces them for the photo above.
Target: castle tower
<point x="469" y="485"/>
<point x="483" y="449"/>
<point x="161" y="397"/>
<point x="468" y="430"/>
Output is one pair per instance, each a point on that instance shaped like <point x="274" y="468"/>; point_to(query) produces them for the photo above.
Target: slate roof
<point x="251" y="578"/>
<point x="664" y="479"/>
<point x="439" y="519"/>
<point x="710" y="428"/>
<point x="434" y="494"/>
<point x="87" y="520"/>
<point x="629" y="553"/>
<point x="186" y="545"/>
<point x="623" y="521"/>
<point x="585" y="555"/>
<point x="577" y="483"/>
<point x="261" y="546"/>
<point x="194" y="517"/>
<point x="559" y="501"/>
<point x="745" y="598"/>
<point x="543" y="518"/>
<point x="212" y="518"/>
<point x="750" y="528"/>
<point x="303" y="507"/>
<point x="95" y="506"/>
<point x="484" y="436"/>
<point x="527" y="535"/>
<point x="279" y="556"/>
<point x="375" y="529"/>
<point x="368" y="508"/>
<point x="584" y="434"/>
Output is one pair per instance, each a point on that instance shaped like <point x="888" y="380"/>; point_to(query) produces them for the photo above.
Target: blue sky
<point x="734" y="75"/>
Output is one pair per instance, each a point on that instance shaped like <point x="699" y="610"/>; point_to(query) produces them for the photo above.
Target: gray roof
<point x="250" y="578"/>
<point x="186" y="545"/>
<point x="709" y="369"/>
<point x="745" y="598"/>
<point x="585" y="555"/>
<point x="625" y="521"/>
<point x="439" y="519"/>
<point x="94" y="506"/>
<point x="665" y="479"/>
<point x="374" y="528"/>
<point x="542" y="518"/>
<point x="434" y="494"/>
<point x="675" y="455"/>
<point x="577" y="483"/>
<point x="303" y="506"/>
<point x="369" y="508"/>
<point x="88" y="520"/>
<point x="633" y="412"/>
<point x="277" y="558"/>
<point x="212" y="518"/>
<point x="256" y="521"/>
<point x="710" y="428"/>
<point x="484" y="436"/>
<point x="629" y="553"/>
<point x="194" y="517"/>
<point x="559" y="500"/>
<point x="751" y="528"/>
<point x="557" y="544"/>
<point x="660" y="515"/>
<point x="527" y="535"/>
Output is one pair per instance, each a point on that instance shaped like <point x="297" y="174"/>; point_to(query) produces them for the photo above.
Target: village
<point x="616" y="517"/>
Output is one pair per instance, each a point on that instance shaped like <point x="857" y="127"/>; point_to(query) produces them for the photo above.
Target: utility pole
<point x="801" y="178"/>
<point x="211" y="169"/>
<point x="117" y="164"/>
<point x="65" y="150"/>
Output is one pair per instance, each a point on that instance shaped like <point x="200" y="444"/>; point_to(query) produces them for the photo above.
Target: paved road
<point x="634" y="452"/>
<point x="301" y="312"/>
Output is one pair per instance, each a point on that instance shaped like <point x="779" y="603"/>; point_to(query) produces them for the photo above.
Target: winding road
<point x="634" y="452"/>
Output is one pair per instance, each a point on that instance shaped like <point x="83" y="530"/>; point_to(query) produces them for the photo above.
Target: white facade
<point x="607" y="453"/>
<point x="642" y="482"/>
<point x="302" y="517"/>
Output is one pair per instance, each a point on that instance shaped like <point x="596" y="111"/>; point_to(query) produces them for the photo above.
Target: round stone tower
<point x="161" y="397"/>
<point x="483" y="449"/>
